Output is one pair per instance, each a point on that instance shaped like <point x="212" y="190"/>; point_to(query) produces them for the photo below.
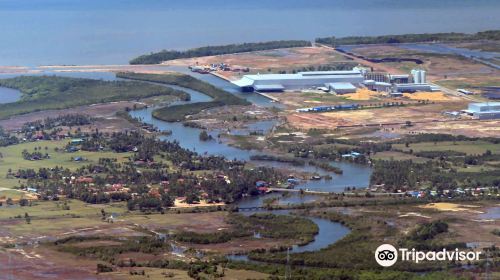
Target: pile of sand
<point x="362" y="94"/>
<point x="454" y="207"/>
<point x="424" y="95"/>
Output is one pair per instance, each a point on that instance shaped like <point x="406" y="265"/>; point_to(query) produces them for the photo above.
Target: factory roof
<point x="482" y="104"/>
<point x="269" y="87"/>
<point x="264" y="77"/>
<point x="248" y="80"/>
<point x="412" y="85"/>
<point x="323" y="73"/>
<point x="341" y="85"/>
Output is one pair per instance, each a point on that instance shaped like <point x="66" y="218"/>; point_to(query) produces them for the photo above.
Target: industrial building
<point x="301" y="80"/>
<point x="399" y="79"/>
<point x="484" y="111"/>
<point x="414" y="87"/>
<point x="341" y="88"/>
<point x="377" y="86"/>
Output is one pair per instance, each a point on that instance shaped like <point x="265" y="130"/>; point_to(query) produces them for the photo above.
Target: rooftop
<point x="341" y="85"/>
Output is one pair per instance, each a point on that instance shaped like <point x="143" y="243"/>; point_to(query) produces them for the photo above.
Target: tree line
<point x="410" y="38"/>
<point x="164" y="55"/>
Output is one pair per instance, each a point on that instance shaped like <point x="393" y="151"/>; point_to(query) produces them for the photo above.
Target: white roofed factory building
<point x="301" y="80"/>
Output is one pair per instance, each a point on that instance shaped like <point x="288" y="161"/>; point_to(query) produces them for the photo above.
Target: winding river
<point x="354" y="175"/>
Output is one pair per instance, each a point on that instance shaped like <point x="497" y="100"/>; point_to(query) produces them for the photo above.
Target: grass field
<point x="392" y="155"/>
<point x="45" y="209"/>
<point x="149" y="273"/>
<point x="12" y="159"/>
<point x="468" y="147"/>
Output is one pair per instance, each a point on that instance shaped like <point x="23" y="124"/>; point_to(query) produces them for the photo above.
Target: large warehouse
<point x="301" y="80"/>
<point x="483" y="111"/>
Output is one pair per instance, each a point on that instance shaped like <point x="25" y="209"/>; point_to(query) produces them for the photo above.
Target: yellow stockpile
<point x="362" y="94"/>
<point x="454" y="207"/>
<point x="424" y="95"/>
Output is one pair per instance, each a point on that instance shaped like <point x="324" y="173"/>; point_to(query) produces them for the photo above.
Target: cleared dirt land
<point x="105" y="111"/>
<point x="413" y="113"/>
<point x="281" y="59"/>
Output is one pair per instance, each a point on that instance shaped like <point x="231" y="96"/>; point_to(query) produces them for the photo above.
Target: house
<point x="292" y="181"/>
<point x="32" y="190"/>
<point x="351" y="155"/>
<point x="116" y="187"/>
<point x="262" y="190"/>
<point x="76" y="141"/>
<point x="87" y="180"/>
<point x="261" y="184"/>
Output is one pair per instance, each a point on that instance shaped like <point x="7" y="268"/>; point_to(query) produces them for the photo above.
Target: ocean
<point x="47" y="32"/>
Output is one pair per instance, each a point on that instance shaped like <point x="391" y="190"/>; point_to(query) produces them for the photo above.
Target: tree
<point x="23" y="202"/>
<point x="192" y="198"/>
<point x="131" y="205"/>
<point x="204" y="136"/>
<point x="167" y="200"/>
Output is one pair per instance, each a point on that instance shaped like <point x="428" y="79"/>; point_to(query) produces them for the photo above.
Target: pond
<point x="8" y="95"/>
<point x="491" y="213"/>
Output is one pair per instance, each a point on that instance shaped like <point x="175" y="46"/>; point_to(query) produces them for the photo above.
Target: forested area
<point x="267" y="225"/>
<point x="41" y="93"/>
<point x="410" y="38"/>
<point x="164" y="55"/>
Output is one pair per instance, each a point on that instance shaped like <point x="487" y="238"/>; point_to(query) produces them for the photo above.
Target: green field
<point x="12" y="159"/>
<point x="45" y="209"/>
<point x="468" y="147"/>
<point x="391" y="155"/>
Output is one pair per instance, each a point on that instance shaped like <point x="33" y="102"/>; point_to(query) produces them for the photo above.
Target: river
<point x="48" y="32"/>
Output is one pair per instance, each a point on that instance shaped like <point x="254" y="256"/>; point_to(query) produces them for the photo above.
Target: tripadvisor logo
<point x="387" y="255"/>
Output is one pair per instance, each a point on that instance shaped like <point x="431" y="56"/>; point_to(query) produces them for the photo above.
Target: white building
<point x="414" y="87"/>
<point x="301" y="80"/>
<point x="341" y="88"/>
<point x="488" y="110"/>
<point x="419" y="76"/>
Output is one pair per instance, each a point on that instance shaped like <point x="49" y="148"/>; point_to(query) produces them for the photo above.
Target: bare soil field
<point x="240" y="245"/>
<point x="231" y="117"/>
<point x="44" y="263"/>
<point x="472" y="128"/>
<point x="107" y="111"/>
<point x="438" y="66"/>
<point x="331" y="120"/>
